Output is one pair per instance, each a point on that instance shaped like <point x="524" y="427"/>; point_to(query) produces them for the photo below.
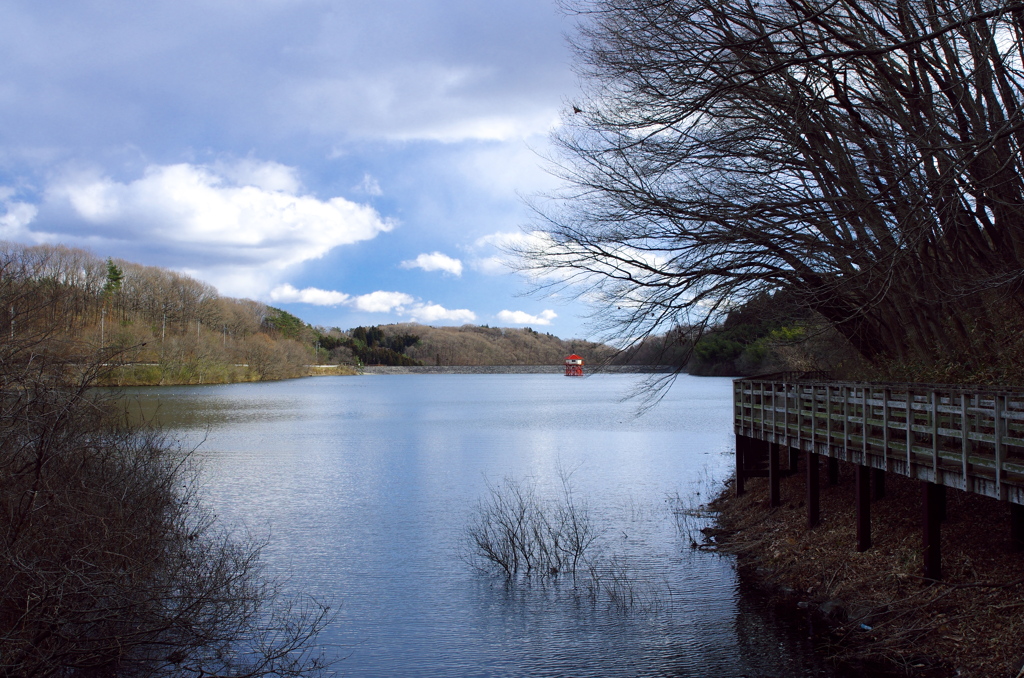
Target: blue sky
<point x="351" y="162"/>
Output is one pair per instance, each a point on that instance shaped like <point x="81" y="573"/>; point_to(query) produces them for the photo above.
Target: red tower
<point x="573" y="366"/>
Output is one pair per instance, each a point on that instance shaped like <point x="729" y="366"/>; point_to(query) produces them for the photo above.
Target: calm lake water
<point x="366" y="486"/>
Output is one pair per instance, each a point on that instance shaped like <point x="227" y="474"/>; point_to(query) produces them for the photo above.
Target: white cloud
<point x="524" y="318"/>
<point x="432" y="313"/>
<point x="310" y="295"/>
<point x="417" y="101"/>
<point x="17" y="216"/>
<point x="249" y="220"/>
<point x="382" y="302"/>
<point x="369" y="185"/>
<point x="491" y="252"/>
<point x="399" y="303"/>
<point x="270" y="176"/>
<point x="435" y="261"/>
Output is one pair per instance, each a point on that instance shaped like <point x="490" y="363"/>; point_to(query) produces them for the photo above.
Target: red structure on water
<point x="573" y="366"/>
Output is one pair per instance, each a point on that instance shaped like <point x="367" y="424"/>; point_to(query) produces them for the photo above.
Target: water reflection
<point x="366" y="485"/>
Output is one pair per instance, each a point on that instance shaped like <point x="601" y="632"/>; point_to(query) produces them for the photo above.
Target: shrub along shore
<point x="155" y="374"/>
<point x="874" y="609"/>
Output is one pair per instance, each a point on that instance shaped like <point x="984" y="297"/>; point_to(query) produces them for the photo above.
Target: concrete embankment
<point x="506" y="369"/>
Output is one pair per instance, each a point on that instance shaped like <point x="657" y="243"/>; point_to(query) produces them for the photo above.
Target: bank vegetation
<point x="109" y="565"/>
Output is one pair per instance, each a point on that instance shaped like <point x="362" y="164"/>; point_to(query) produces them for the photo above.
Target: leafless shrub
<point x="520" y="534"/>
<point x="108" y="564"/>
<point x="524" y="537"/>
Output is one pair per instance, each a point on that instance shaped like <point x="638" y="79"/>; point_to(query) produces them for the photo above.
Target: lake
<point x="366" y="486"/>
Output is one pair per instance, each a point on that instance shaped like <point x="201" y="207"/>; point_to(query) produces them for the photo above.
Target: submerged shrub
<point x="523" y="537"/>
<point x="515" y="532"/>
<point x="519" y="534"/>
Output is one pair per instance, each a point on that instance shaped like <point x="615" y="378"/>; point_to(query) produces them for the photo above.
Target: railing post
<point x="846" y="421"/>
<point x="998" y="426"/>
<point x="828" y="418"/>
<point x="814" y="418"/>
<point x="886" y="393"/>
<point x="864" y="425"/>
<point x="935" y="435"/>
<point x="965" y="442"/>
<point x="909" y="403"/>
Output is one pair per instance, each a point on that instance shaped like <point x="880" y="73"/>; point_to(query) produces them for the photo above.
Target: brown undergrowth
<point x="879" y="608"/>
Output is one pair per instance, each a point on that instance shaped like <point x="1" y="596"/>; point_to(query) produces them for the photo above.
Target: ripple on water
<point x="366" y="485"/>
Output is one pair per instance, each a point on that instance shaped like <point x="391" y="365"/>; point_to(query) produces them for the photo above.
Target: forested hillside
<point x="165" y="327"/>
<point x="171" y="328"/>
<point x="482" y="345"/>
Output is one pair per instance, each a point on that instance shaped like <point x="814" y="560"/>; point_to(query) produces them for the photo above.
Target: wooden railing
<point x="969" y="439"/>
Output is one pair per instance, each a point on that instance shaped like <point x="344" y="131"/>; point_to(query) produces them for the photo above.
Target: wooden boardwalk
<point x="968" y="439"/>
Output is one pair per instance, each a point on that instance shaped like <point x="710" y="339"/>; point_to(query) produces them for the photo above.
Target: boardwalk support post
<point x="774" y="493"/>
<point x="863" y="492"/>
<point x="1017" y="526"/>
<point x="813" y="491"/>
<point x="934" y="501"/>
<point x="741" y="443"/>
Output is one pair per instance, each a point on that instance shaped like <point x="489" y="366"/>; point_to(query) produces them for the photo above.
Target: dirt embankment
<point x="879" y="611"/>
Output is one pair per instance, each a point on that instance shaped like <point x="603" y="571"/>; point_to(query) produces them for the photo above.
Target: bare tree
<point x="866" y="157"/>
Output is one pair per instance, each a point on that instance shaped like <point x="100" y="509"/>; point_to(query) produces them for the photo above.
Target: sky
<point x="351" y="162"/>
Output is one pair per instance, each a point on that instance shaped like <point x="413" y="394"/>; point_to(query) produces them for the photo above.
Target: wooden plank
<point x="972" y="433"/>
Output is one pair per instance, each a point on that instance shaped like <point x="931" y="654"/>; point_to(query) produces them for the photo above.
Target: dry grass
<point x="970" y="625"/>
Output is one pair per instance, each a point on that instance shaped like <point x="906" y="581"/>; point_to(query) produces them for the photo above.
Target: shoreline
<point x="874" y="610"/>
<point x="509" y="369"/>
<point x="150" y="374"/>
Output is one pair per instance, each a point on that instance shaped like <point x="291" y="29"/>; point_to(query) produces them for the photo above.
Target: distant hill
<point x="483" y="345"/>
<point x="164" y="327"/>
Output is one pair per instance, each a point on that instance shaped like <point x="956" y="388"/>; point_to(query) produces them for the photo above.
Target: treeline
<point x="165" y="326"/>
<point x="483" y="345"/>
<point x="367" y="346"/>
<point x="770" y="333"/>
